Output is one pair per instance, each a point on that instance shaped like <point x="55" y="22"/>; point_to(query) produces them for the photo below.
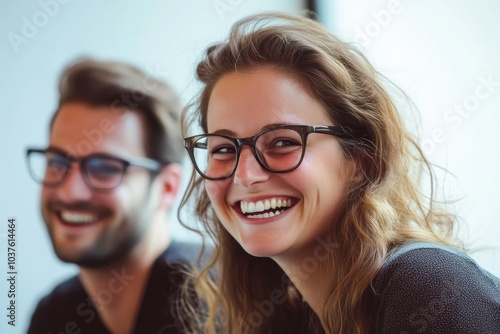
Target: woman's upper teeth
<point x="260" y="206"/>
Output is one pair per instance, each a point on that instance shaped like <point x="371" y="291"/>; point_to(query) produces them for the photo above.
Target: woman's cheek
<point x="216" y="190"/>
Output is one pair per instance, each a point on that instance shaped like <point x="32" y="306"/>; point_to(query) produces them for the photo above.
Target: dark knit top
<point x="429" y="288"/>
<point x="69" y="309"/>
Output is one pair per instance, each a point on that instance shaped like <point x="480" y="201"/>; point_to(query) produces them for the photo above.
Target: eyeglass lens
<point x="278" y="150"/>
<point x="51" y="168"/>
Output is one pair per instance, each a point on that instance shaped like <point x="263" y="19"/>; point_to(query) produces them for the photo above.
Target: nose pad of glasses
<point x="250" y="153"/>
<point x="260" y="158"/>
<point x="250" y="168"/>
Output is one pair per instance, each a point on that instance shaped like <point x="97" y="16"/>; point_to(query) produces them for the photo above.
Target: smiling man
<point x="109" y="177"/>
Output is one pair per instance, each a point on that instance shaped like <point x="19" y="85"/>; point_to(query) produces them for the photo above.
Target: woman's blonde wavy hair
<point x="382" y="209"/>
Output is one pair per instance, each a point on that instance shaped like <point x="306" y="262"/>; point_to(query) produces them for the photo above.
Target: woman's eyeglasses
<point x="279" y="149"/>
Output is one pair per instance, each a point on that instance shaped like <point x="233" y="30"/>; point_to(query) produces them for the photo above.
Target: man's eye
<point x="110" y="169"/>
<point x="55" y="163"/>
<point x="101" y="168"/>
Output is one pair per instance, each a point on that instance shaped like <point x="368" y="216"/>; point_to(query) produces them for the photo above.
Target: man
<point x="110" y="175"/>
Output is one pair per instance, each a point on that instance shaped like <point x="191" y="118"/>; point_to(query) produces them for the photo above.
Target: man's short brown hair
<point x="124" y="87"/>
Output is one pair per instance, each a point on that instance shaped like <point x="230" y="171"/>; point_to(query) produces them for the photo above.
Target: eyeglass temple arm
<point x="334" y="130"/>
<point x="146" y="163"/>
<point x="200" y="145"/>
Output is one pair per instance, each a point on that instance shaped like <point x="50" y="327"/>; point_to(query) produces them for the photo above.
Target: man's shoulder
<point x="175" y="263"/>
<point x="169" y="273"/>
<point x="64" y="307"/>
<point x="184" y="252"/>
<point x="63" y="292"/>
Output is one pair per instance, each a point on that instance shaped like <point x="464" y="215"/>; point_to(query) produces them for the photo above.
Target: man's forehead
<point x="90" y="129"/>
<point x="69" y="112"/>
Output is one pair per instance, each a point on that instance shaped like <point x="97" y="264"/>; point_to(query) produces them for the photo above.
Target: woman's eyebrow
<point x="223" y="132"/>
<point x="227" y="132"/>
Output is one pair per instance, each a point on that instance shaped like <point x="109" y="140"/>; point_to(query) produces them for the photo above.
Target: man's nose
<point x="74" y="187"/>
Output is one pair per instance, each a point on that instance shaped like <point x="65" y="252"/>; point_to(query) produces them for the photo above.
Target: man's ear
<point x="170" y="178"/>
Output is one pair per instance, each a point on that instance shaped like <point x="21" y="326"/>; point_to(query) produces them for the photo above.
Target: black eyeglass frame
<point x="190" y="143"/>
<point x="147" y="163"/>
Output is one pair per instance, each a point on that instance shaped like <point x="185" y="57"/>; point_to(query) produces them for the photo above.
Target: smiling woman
<point x="309" y="188"/>
<point x="313" y="185"/>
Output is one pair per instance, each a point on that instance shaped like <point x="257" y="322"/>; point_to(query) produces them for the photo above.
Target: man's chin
<point x="103" y="252"/>
<point x="91" y="261"/>
<point x="78" y="260"/>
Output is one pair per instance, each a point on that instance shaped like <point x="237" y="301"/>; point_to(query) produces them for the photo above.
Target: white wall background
<point x="440" y="53"/>
<point x="446" y="56"/>
<point x="164" y="38"/>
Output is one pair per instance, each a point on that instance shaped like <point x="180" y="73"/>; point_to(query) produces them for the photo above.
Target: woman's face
<point x="241" y="105"/>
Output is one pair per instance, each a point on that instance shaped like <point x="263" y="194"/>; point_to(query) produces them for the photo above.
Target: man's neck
<point x="117" y="290"/>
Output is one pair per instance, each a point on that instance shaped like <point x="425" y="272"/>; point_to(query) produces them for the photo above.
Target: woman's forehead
<point x="253" y="99"/>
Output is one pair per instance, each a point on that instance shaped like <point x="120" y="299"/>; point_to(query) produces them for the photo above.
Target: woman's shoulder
<point x="427" y="286"/>
<point x="414" y="261"/>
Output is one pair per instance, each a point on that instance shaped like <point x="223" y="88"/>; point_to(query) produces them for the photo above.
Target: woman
<point x="309" y="187"/>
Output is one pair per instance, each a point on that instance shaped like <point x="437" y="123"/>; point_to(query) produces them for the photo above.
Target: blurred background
<point x="444" y="55"/>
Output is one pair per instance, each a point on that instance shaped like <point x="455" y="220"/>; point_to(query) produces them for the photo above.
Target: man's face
<point x="92" y="227"/>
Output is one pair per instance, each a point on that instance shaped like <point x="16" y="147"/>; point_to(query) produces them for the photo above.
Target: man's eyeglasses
<point x="100" y="171"/>
<point x="278" y="150"/>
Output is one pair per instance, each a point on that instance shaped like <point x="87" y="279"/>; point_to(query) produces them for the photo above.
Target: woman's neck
<point x="307" y="270"/>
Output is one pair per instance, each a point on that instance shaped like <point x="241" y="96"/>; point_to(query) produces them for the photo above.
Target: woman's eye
<point x="223" y="153"/>
<point x="223" y="150"/>
<point x="286" y="142"/>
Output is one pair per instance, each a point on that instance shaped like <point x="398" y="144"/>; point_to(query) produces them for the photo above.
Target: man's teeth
<point x="261" y="206"/>
<point x="77" y="217"/>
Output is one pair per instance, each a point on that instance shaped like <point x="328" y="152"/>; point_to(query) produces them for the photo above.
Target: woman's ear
<point x="170" y="178"/>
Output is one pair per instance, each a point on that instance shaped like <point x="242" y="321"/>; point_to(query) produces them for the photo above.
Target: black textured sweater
<point x="429" y="288"/>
